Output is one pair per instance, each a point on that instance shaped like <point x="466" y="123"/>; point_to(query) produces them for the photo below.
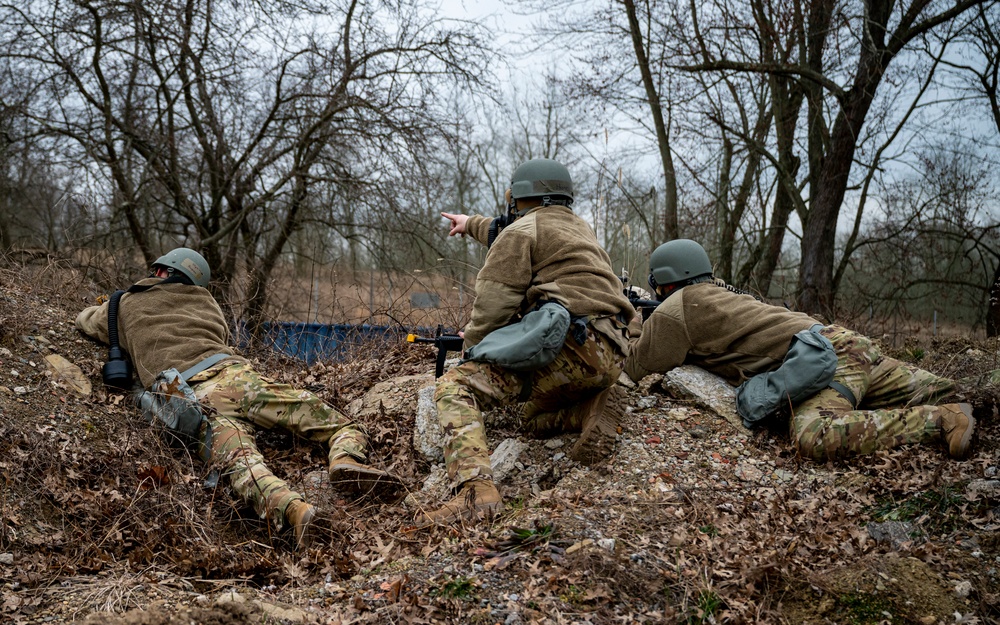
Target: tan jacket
<point x="707" y="325"/>
<point x="170" y="326"/>
<point x="549" y="253"/>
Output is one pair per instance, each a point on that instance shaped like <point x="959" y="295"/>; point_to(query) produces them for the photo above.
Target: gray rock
<point x="608" y="544"/>
<point x="707" y="390"/>
<point x="428" y="437"/>
<point x="6" y="558"/>
<point x="554" y="443"/>
<point x="895" y="533"/>
<point x="645" y="403"/>
<point x="504" y="458"/>
<point x="963" y="589"/>
<point x="980" y="488"/>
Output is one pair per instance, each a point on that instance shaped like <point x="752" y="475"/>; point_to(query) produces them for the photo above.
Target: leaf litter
<point x="689" y="522"/>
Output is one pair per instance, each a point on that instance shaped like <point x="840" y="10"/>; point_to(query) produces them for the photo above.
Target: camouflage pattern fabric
<point x="461" y="394"/>
<point x="240" y="399"/>
<point x="895" y="403"/>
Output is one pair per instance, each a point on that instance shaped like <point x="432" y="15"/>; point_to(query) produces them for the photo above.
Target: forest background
<point x="838" y="157"/>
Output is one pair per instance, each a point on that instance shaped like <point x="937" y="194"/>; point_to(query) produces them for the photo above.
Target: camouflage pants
<point x="577" y="373"/>
<point x="895" y="403"/>
<point x="241" y="400"/>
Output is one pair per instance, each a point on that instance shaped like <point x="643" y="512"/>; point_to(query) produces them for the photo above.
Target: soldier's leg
<point x="565" y="391"/>
<point x="896" y="384"/>
<point x="240" y="391"/>
<point x="235" y="451"/>
<point x="825" y="427"/>
<point x="461" y="395"/>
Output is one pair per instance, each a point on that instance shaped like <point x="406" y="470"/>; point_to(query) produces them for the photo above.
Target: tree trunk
<point x="993" y="306"/>
<point x="670" y="224"/>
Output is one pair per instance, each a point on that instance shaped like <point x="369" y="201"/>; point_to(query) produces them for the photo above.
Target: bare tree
<point x="217" y="123"/>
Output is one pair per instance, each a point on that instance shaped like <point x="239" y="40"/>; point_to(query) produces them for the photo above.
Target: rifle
<point x="644" y="306"/>
<point x="444" y="343"/>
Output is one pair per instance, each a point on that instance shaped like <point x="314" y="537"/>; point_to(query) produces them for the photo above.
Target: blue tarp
<point x="315" y="341"/>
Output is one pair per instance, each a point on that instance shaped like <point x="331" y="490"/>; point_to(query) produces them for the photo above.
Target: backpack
<point x="807" y="369"/>
<point x="528" y="345"/>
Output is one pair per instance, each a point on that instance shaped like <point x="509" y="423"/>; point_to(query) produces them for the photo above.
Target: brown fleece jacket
<point x="549" y="253"/>
<point x="707" y="325"/>
<point x="170" y="326"/>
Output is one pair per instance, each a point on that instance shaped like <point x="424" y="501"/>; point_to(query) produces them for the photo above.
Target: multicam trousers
<point x="578" y="373"/>
<point x="895" y="403"/>
<point x="240" y="400"/>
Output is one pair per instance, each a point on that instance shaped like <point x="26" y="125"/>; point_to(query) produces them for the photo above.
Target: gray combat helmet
<point x="677" y="261"/>
<point x="188" y="262"/>
<point x="542" y="178"/>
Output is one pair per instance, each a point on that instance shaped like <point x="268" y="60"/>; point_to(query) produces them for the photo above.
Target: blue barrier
<point x="314" y="341"/>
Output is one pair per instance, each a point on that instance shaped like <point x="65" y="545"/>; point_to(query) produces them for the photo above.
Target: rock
<point x="894" y="533"/>
<point x="980" y="488"/>
<point x="68" y="374"/>
<point x="428" y="437"/>
<point x="626" y="381"/>
<point x="963" y="589"/>
<point x="20" y="390"/>
<point x="230" y="596"/>
<point x="504" y="458"/>
<point x="748" y="473"/>
<point x="436" y="486"/>
<point x="707" y="390"/>
<point x="554" y="443"/>
<point x="6" y="558"/>
<point x="645" y="403"/>
<point x="284" y="613"/>
<point x="6" y="353"/>
<point x="608" y="544"/>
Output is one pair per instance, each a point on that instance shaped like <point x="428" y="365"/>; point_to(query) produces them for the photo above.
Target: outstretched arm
<point x="93" y="322"/>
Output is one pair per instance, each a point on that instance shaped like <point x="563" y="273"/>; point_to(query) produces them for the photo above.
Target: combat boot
<point x="299" y="516"/>
<point x="603" y="415"/>
<point x="957" y="423"/>
<point x="361" y="480"/>
<point x="477" y="499"/>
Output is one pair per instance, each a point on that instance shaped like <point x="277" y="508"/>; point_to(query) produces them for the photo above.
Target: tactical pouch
<point x="171" y="403"/>
<point x="807" y="369"/>
<point x="527" y="345"/>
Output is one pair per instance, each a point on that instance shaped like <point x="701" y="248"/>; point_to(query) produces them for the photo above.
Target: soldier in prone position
<point x="869" y="401"/>
<point x="542" y="252"/>
<point x="178" y="324"/>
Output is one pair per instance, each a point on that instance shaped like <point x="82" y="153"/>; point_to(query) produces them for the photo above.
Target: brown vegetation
<point x="688" y="523"/>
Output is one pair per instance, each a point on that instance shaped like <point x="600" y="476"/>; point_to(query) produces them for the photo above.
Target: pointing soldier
<point x="862" y="402"/>
<point x="170" y="321"/>
<point x="540" y="252"/>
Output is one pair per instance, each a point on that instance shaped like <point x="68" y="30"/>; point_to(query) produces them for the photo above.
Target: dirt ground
<point x="690" y="521"/>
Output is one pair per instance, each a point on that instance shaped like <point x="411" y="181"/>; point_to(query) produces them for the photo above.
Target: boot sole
<point x="368" y="483"/>
<point x="964" y="443"/>
<point x="597" y="440"/>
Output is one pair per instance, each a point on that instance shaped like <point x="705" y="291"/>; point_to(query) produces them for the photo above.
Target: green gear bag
<point x="172" y="404"/>
<point x="527" y="345"/>
<point x="807" y="369"/>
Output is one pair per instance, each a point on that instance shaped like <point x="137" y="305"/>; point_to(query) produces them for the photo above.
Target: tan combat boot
<point x="600" y="426"/>
<point x="299" y="516"/>
<point x="957" y="424"/>
<point x="361" y="480"/>
<point x="477" y="498"/>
